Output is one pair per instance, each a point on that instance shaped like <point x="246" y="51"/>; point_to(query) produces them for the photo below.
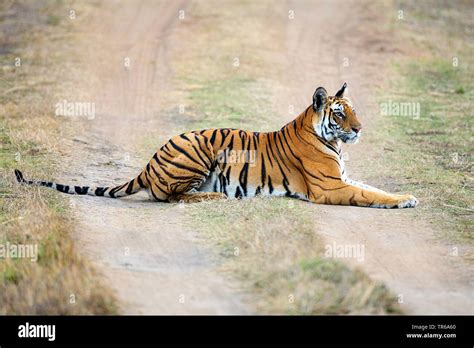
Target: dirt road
<point x="153" y="261"/>
<point x="149" y="257"/>
<point x="400" y="248"/>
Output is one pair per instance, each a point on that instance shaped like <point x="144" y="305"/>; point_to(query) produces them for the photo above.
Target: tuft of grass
<point x="53" y="20"/>
<point x="460" y="90"/>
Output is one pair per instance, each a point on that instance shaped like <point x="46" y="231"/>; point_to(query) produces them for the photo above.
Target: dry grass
<point x="60" y="281"/>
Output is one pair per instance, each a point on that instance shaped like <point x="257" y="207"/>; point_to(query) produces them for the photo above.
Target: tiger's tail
<point x="129" y="188"/>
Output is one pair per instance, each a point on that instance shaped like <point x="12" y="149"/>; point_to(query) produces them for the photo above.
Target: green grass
<point x="435" y="151"/>
<point x="53" y="20"/>
<point x="10" y="275"/>
<point x="235" y="102"/>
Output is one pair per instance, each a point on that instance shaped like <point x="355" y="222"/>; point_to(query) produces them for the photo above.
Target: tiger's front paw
<point x="407" y="201"/>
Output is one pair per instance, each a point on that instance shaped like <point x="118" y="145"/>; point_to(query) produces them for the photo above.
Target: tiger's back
<point x="244" y="163"/>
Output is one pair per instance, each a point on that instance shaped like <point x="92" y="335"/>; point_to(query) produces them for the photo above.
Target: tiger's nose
<point x="356" y="129"/>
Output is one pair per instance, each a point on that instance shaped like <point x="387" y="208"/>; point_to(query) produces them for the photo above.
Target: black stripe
<point x="114" y="190"/>
<point x="300" y="138"/>
<point x="184" y="152"/>
<point x="329" y="176"/>
<point x="231" y="143"/>
<point x="227" y="175"/>
<point x="283" y="149"/>
<point x="172" y="176"/>
<point x="151" y="188"/>
<point x="181" y="166"/>
<point x="153" y="194"/>
<point x="301" y="162"/>
<point x="129" y="189"/>
<point x="224" y="133"/>
<point x="238" y="193"/>
<point x="166" y="152"/>
<point x="99" y="191"/>
<point x="243" y="177"/>
<point x="256" y="136"/>
<point x="184" y="137"/>
<point x="160" y="164"/>
<point x="281" y="169"/>
<point x="81" y="190"/>
<point x="19" y="176"/>
<point x="333" y="189"/>
<point x="243" y="137"/>
<point x="140" y="182"/>
<point x="213" y="137"/>
<point x="264" y="172"/>
<point x="275" y="137"/>
<point x="223" y="184"/>
<point x="287" y="189"/>
<point x="208" y="166"/>
<point x="62" y="188"/>
<point x="279" y="166"/>
<point x="268" y="153"/>
<point x="146" y="179"/>
<point x="203" y="151"/>
<point x="325" y="143"/>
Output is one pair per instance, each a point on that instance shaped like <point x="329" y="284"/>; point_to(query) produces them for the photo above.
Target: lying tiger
<point x="301" y="160"/>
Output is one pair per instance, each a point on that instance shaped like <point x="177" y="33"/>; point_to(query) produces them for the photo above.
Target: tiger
<point x="302" y="160"/>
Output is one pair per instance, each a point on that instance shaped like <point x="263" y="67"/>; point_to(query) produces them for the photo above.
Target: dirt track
<point x="149" y="257"/>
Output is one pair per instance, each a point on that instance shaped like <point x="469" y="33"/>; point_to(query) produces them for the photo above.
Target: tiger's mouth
<point x="350" y="138"/>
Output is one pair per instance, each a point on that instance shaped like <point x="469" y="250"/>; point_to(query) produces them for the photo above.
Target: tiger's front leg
<point x="351" y="193"/>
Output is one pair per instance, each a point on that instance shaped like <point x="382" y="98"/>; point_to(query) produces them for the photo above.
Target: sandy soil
<point x="146" y="251"/>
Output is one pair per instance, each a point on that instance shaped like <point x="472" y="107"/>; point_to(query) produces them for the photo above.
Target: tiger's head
<point x="335" y="117"/>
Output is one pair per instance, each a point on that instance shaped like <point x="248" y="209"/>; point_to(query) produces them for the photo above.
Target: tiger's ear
<point x="320" y="98"/>
<point x="340" y="93"/>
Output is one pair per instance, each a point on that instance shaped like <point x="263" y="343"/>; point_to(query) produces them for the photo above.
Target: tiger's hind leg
<point x="180" y="167"/>
<point x="195" y="197"/>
